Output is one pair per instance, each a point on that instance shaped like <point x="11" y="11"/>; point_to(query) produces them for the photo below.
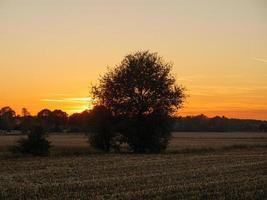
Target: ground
<point x="196" y="166"/>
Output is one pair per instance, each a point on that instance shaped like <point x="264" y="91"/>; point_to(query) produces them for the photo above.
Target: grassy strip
<point x="66" y="152"/>
<point x="213" y="150"/>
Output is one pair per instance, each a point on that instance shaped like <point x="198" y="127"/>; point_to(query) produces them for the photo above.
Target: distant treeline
<point x="218" y="124"/>
<point x="60" y="121"/>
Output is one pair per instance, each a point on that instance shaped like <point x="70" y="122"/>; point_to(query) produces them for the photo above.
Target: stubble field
<point x="196" y="166"/>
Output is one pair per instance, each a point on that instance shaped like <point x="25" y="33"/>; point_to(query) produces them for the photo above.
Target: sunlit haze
<point x="52" y="51"/>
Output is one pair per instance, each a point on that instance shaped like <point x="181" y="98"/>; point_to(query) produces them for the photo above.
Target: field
<point x="196" y="166"/>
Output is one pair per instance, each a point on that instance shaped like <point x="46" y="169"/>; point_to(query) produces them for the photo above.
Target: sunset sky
<point x="52" y="51"/>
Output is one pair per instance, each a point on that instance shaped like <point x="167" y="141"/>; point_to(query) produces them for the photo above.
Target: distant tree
<point x="7" y="118"/>
<point x="45" y="119"/>
<point x="44" y="114"/>
<point x="142" y="92"/>
<point x="35" y="144"/>
<point x="59" y="120"/>
<point x="78" y="122"/>
<point x="25" y="112"/>
<point x="263" y="127"/>
<point x="218" y="124"/>
<point x="101" y="132"/>
<point x="26" y="121"/>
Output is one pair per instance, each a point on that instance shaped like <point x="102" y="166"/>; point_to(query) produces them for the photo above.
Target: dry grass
<point x="60" y="142"/>
<point x="180" y="141"/>
<point x="215" y="140"/>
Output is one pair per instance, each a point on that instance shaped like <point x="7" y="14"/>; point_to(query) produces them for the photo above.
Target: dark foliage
<point x="44" y="118"/>
<point x="81" y="122"/>
<point x="59" y="120"/>
<point x="52" y="121"/>
<point x="26" y="121"/>
<point x="140" y="85"/>
<point x="148" y="133"/>
<point x="142" y="92"/>
<point x="101" y="130"/>
<point x="78" y="122"/>
<point x="263" y="127"/>
<point x="35" y="144"/>
<point x="7" y="118"/>
<point x="26" y="124"/>
<point x="218" y="124"/>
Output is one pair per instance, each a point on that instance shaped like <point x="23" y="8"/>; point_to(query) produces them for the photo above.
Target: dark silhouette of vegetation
<point x="82" y="122"/>
<point x="26" y="121"/>
<point x="263" y="127"/>
<point x="25" y="112"/>
<point x="45" y="119"/>
<point x="59" y="120"/>
<point x="78" y="122"/>
<point x="147" y="134"/>
<point x="7" y="118"/>
<point x="142" y="92"/>
<point x="52" y="121"/>
<point x="101" y="132"/>
<point x="35" y="144"/>
<point x="217" y="124"/>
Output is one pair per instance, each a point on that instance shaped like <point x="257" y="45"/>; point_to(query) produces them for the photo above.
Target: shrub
<point x="35" y="144"/>
<point x="101" y="133"/>
<point x="148" y="134"/>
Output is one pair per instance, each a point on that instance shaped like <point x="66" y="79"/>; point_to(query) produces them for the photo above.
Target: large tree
<point x="142" y="93"/>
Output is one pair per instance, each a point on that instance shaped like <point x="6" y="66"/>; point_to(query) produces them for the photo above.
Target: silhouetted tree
<point x="59" y="120"/>
<point x="142" y="92"/>
<point x="25" y="112"/>
<point x="101" y="132"/>
<point x="43" y="114"/>
<point x="7" y="118"/>
<point x="45" y="119"/>
<point x="78" y="122"/>
<point x="26" y="121"/>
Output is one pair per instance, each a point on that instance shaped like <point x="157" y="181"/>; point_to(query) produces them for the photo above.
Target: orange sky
<point x="51" y="51"/>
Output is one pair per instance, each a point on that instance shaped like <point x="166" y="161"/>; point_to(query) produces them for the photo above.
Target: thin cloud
<point x="70" y="100"/>
<point x="259" y="59"/>
<point x="53" y="100"/>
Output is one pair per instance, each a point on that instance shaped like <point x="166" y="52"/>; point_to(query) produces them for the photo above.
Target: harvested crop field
<point x="232" y="174"/>
<point x="196" y="166"/>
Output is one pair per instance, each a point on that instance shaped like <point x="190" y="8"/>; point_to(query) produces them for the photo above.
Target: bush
<point x="101" y="133"/>
<point x="35" y="144"/>
<point x="148" y="134"/>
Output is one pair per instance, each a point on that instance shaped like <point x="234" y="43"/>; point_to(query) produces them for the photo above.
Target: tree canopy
<point x="142" y="91"/>
<point x="142" y="84"/>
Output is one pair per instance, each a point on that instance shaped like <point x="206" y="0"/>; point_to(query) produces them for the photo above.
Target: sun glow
<point x="73" y="104"/>
<point x="80" y="109"/>
<point x="72" y="100"/>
